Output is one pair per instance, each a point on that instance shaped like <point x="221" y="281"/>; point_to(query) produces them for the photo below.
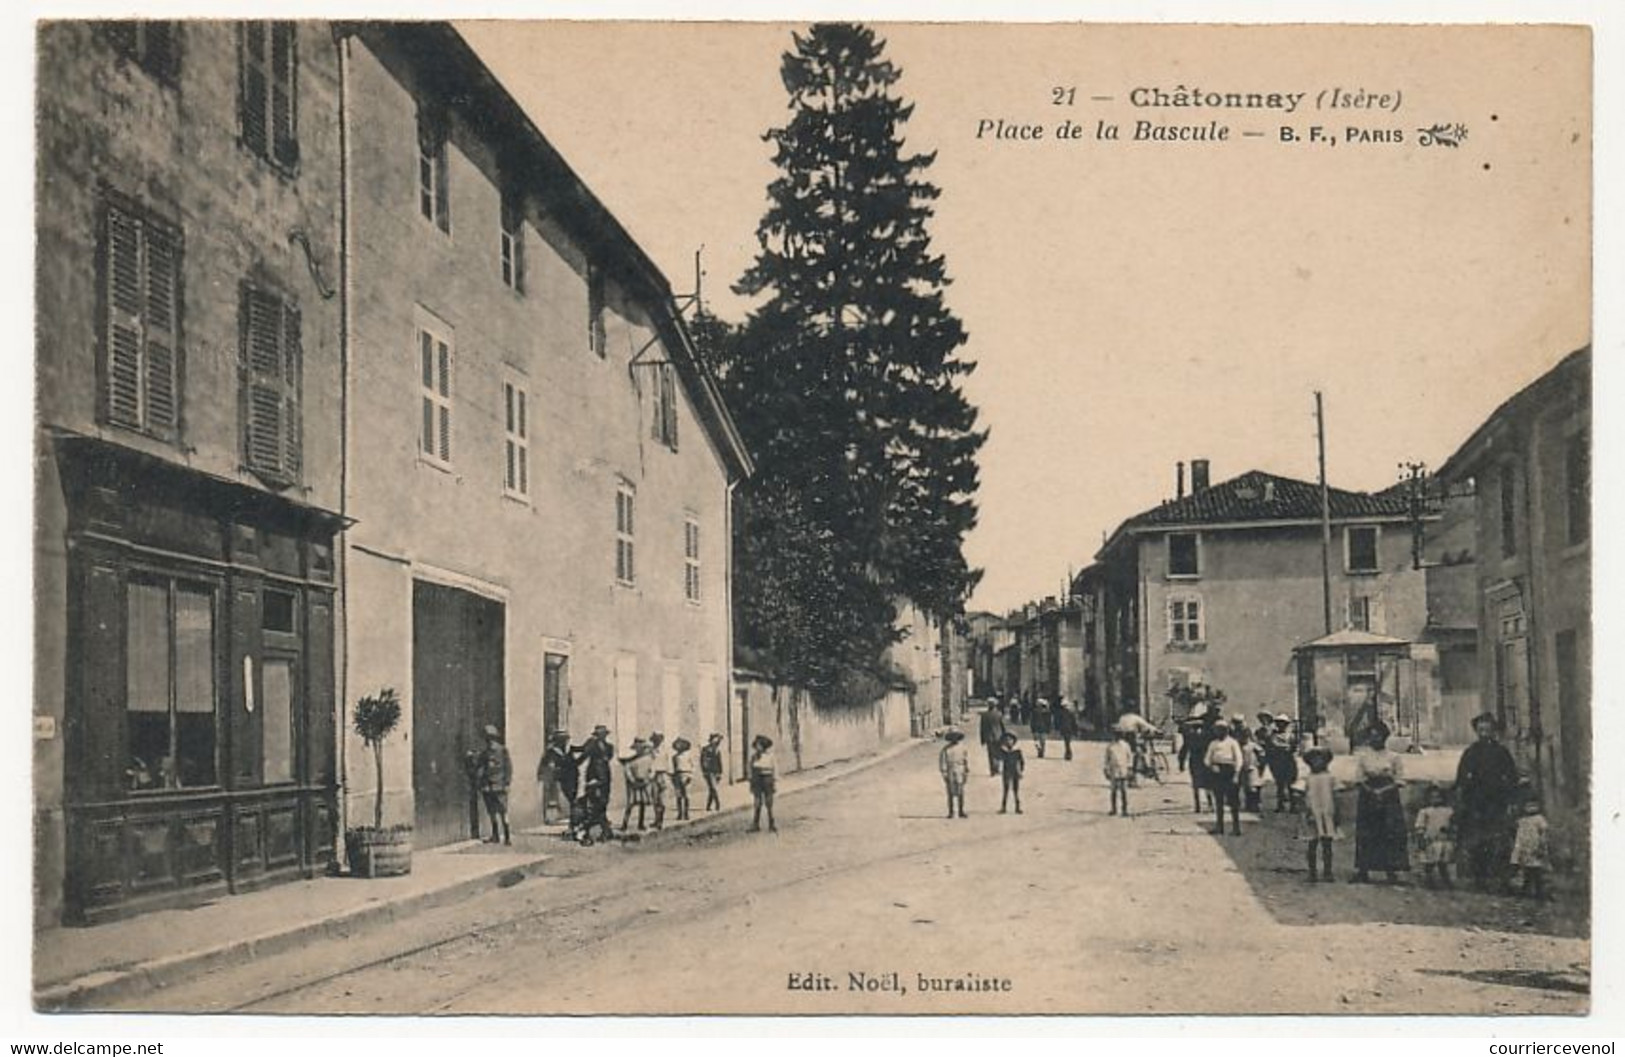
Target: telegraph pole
<point x="1325" y="514"/>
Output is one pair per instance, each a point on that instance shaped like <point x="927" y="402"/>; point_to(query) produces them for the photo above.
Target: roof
<point x="1350" y="638"/>
<point x="1571" y="374"/>
<point x="1259" y="497"/>
<point x="451" y="69"/>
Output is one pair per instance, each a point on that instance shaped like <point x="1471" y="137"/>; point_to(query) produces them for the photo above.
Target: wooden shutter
<point x="252" y="90"/>
<point x="270" y="368"/>
<point x="442" y="192"/>
<point x="161" y="319"/>
<point x="292" y="369"/>
<point x="123" y="295"/>
<point x="668" y="403"/>
<point x="284" y="98"/>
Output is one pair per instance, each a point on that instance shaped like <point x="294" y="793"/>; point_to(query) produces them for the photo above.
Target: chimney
<point x="1179" y="480"/>
<point x="1199" y="479"/>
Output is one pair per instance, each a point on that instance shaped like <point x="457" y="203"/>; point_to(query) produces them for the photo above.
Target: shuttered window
<point x="516" y="443"/>
<point x="268" y="81"/>
<point x="152" y="45"/>
<point x="141" y="297"/>
<point x="625" y="555"/>
<point x="597" y="337"/>
<point x="691" y="559"/>
<point x="434" y="192"/>
<point x="270" y="366"/>
<point x="665" y="419"/>
<point x="512" y="244"/>
<point x="434" y="374"/>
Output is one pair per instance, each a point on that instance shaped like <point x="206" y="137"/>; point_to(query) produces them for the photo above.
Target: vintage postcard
<point x="681" y="518"/>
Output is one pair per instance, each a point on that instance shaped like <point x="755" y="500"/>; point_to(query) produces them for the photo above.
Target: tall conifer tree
<point x="846" y="377"/>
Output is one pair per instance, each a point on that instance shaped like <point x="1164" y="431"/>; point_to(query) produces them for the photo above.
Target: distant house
<point x="1530" y="467"/>
<point x="1221" y="586"/>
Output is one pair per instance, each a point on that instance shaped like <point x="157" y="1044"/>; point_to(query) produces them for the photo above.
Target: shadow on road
<point x="1271" y="858"/>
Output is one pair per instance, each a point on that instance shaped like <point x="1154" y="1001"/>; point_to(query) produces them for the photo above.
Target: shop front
<point x="199" y="705"/>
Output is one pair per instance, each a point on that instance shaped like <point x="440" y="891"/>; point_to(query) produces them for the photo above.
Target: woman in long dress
<point x="1380" y="833"/>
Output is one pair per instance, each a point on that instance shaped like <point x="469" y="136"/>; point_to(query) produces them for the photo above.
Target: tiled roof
<point x="1260" y="496"/>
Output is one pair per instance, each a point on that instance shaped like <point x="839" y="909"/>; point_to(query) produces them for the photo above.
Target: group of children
<point x="954" y="763"/>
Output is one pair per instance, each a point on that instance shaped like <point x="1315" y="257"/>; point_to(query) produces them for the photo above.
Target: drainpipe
<point x="341" y="44"/>
<point x="728" y="621"/>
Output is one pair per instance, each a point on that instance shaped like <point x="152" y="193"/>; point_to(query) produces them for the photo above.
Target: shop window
<point x="276" y="679"/>
<point x="170" y="705"/>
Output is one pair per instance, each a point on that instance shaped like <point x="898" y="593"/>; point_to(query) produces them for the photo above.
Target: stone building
<point x="1529" y="466"/>
<point x="539" y="468"/>
<point x="1220" y="586"/>
<point x="187" y="460"/>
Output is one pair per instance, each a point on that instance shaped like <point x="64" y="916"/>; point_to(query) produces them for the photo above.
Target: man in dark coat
<point x="1198" y="731"/>
<point x="597" y="756"/>
<point x="560" y="774"/>
<point x="1486" y="790"/>
<point x="1066" y="724"/>
<point x="992" y="735"/>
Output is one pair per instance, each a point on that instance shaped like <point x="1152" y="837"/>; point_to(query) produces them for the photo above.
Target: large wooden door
<point x="457" y="677"/>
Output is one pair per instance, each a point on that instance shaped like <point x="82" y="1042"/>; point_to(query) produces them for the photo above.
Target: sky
<point x="1131" y="305"/>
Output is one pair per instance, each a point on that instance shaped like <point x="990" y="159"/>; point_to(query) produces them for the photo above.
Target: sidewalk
<point x="87" y="968"/>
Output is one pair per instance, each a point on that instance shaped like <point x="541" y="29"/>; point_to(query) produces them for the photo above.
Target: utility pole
<point x="1325" y="514"/>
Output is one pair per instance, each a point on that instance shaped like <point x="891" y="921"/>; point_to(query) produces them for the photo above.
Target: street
<point x="868" y="892"/>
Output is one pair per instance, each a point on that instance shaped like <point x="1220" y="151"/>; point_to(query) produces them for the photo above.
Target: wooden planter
<point x="379" y="852"/>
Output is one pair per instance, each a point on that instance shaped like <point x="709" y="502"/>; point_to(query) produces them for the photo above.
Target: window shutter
<point x="252" y="101"/>
<point x="123" y="240"/>
<point x="162" y="54"/>
<point x="284" y="80"/>
<point x="293" y="367"/>
<point x="162" y="273"/>
<point x="668" y="386"/>
<point x="264" y="443"/>
<point x="442" y="193"/>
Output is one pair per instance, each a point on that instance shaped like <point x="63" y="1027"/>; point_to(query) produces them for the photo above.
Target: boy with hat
<point x="711" y="769"/>
<point x="764" y="774"/>
<point x="954" y="763"/>
<point x="638" y="767"/>
<point x="494" y="774"/>
<point x="1011" y="765"/>
<point x="1281" y="757"/>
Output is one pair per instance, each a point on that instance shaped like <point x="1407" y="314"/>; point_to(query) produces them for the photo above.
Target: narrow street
<point x="1079" y="911"/>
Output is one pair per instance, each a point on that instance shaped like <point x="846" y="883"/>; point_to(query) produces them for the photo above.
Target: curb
<point x="96" y="989"/>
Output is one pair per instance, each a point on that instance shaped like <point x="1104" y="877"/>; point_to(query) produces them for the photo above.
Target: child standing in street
<point x="495" y="775"/>
<point x="764" y="774"/>
<point x="1252" y="771"/>
<point x="954" y="763"/>
<point x="1320" y="816"/>
<point x="1119" y="769"/>
<point x="639" y="772"/>
<point x="1011" y="766"/>
<point x="682" y="772"/>
<point x="1530" y="849"/>
<point x="1436" y="837"/>
<point x="711" y="771"/>
<point x="1224" y="763"/>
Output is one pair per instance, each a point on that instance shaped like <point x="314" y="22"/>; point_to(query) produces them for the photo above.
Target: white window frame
<point x="434" y="173"/>
<point x="511" y="252"/>
<point x="1168" y="556"/>
<point x="626" y="566"/>
<point x="435" y="395"/>
<point x="1348" y="549"/>
<point x="1184" y="620"/>
<point x="516" y="417"/>
<point x="692" y="590"/>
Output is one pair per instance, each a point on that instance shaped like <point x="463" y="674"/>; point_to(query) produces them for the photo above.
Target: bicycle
<point x="1150" y="758"/>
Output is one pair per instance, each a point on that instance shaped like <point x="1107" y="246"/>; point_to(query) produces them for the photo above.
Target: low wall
<point x="808" y="736"/>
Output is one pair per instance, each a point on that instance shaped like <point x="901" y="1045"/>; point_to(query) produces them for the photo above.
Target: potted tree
<point x="376" y="850"/>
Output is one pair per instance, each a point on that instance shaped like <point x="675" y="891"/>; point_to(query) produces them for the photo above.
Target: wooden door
<point x="457" y="677"/>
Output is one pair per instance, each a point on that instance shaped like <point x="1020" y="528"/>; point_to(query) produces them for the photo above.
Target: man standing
<point x="992" y="734"/>
<point x="1041" y="724"/>
<point x="1281" y="757"/>
<point x="598" y="756"/>
<point x="560" y="776"/>
<point x="1066" y="724"/>
<point x="1486" y="789"/>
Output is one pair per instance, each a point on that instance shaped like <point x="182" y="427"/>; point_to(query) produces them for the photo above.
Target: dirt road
<point x="870" y="901"/>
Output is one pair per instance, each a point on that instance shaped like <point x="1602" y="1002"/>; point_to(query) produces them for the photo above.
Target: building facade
<point x="1529" y="466"/>
<point x="539" y="469"/>
<point x="1220" y="586"/>
<point x="187" y="460"/>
